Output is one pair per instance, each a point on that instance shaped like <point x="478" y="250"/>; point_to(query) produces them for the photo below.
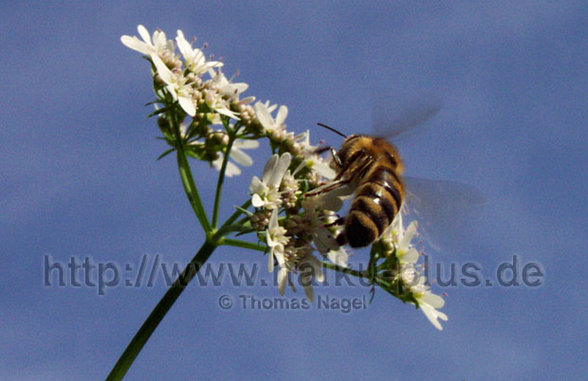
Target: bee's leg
<point x="336" y="158"/>
<point x="336" y="184"/>
<point x="321" y="150"/>
<point x="364" y="166"/>
<point x="342" y="238"/>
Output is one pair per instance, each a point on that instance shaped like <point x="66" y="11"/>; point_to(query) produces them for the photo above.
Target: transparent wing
<point x="447" y="212"/>
<point x="394" y="116"/>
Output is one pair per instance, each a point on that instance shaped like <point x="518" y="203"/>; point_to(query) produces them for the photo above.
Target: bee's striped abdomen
<point x="376" y="203"/>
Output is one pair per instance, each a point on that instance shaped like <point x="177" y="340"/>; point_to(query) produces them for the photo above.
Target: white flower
<point x="263" y="112"/>
<point x="399" y="237"/>
<point x="338" y="257"/>
<point x="312" y="159"/>
<point x="266" y="191"/>
<point x="193" y="57"/>
<point x="409" y="274"/>
<point x="160" y="45"/>
<point x="310" y="268"/>
<point x="176" y="85"/>
<point x="307" y="266"/>
<point x="227" y="88"/>
<point x="405" y="251"/>
<point x="289" y="182"/>
<point x="220" y="105"/>
<point x="276" y="240"/>
<point x="429" y="303"/>
<point x="314" y="223"/>
<point x="238" y="156"/>
<point x="320" y="166"/>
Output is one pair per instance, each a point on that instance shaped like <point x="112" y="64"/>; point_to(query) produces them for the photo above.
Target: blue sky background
<point x="78" y="178"/>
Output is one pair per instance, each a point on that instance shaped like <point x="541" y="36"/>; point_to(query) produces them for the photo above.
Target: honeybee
<point x="373" y="169"/>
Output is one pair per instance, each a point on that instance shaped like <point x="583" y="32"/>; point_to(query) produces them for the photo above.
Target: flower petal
<point x="269" y="168"/>
<point x="282" y="114"/>
<point x="412" y="256"/>
<point x="273" y="222"/>
<point x="263" y="115"/>
<point x="308" y="290"/>
<point x="407" y="236"/>
<point x="164" y="73"/>
<point x="232" y="170"/>
<point x="241" y="157"/>
<point x="144" y="33"/>
<point x="270" y="263"/>
<point x="256" y="201"/>
<point x="184" y="46"/>
<point x="433" y="315"/>
<point x="279" y="170"/>
<point x="338" y="257"/>
<point x="282" y="278"/>
<point x="324" y="240"/>
<point x="323" y="169"/>
<point x="433" y="300"/>
<point x="316" y="268"/>
<point x="246" y="144"/>
<point x="135" y="44"/>
<point x="226" y="112"/>
<point x="187" y="105"/>
<point x="256" y="185"/>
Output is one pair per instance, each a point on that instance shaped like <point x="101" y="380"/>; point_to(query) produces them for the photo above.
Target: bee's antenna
<point x="332" y="129"/>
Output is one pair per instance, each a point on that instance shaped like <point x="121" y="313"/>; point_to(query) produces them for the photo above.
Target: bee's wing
<point x="395" y="115"/>
<point x="446" y="211"/>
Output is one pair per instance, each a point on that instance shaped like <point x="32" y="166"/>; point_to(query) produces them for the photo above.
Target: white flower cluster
<point x="409" y="278"/>
<point x="203" y="93"/>
<point x="181" y="79"/>
<point x="306" y="227"/>
<point x="293" y="238"/>
<point x="292" y="225"/>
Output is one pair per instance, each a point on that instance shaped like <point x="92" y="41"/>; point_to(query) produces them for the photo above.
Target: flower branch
<point x="202" y="115"/>
<point x="189" y="184"/>
<point x="232" y="133"/>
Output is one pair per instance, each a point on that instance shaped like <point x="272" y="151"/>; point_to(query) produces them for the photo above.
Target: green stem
<point x="243" y="244"/>
<point x="188" y="183"/>
<point x="221" y="179"/>
<point x="238" y="212"/>
<point x="128" y="356"/>
<point x="227" y="225"/>
<point x="357" y="273"/>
